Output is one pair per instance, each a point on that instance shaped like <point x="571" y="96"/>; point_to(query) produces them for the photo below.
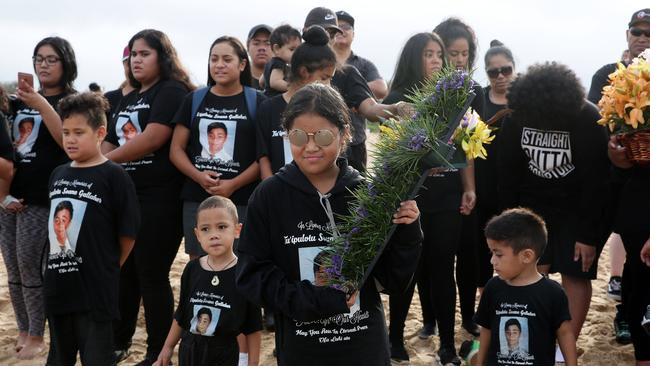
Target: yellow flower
<point x="473" y="142"/>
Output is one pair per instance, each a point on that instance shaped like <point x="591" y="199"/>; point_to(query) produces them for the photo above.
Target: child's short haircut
<point x="283" y="34"/>
<point x="519" y="228"/>
<point x="88" y="104"/>
<point x="218" y="202"/>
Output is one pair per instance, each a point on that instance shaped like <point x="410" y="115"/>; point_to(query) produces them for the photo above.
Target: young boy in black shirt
<point x="521" y="313"/>
<point x="94" y="213"/>
<point x="211" y="313"/>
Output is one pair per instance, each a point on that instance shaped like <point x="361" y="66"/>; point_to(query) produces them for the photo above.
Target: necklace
<point x="215" y="279"/>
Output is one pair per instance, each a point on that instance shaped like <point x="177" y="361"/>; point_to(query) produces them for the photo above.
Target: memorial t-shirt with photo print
<point x="91" y="208"/>
<point x="223" y="139"/>
<point x="154" y="175"/>
<point x="523" y="321"/>
<point x="36" y="153"/>
<point x="276" y="144"/>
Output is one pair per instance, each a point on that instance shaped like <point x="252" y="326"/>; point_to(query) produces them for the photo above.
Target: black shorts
<point x="80" y="333"/>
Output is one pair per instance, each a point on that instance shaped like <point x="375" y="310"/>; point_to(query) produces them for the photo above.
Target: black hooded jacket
<point x="286" y="227"/>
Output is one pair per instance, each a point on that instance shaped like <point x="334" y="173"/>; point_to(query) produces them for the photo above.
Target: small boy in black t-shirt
<point x="284" y="40"/>
<point x="211" y="313"/>
<point x="521" y="313"/>
<point x="92" y="226"/>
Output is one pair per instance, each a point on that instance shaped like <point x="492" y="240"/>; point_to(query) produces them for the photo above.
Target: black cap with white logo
<point x="323" y="17"/>
<point x="641" y="16"/>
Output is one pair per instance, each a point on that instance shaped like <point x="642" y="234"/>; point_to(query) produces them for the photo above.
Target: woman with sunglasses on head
<point x="500" y="69"/>
<point x="24" y="199"/>
<point x="312" y="62"/>
<point x="161" y="82"/>
<point x="461" y="44"/>
<point x="421" y="58"/>
<point x="291" y="218"/>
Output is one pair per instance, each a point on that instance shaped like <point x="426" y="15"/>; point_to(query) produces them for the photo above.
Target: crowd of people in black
<point x="98" y="192"/>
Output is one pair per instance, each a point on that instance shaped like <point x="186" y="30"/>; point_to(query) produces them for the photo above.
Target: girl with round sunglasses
<point x="312" y="62"/>
<point x="24" y="198"/>
<point x="161" y="82"/>
<point x="291" y="217"/>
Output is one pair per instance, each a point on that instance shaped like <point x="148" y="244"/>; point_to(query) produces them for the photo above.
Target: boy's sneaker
<point x="447" y="356"/>
<point x="120" y="355"/>
<point x="614" y="288"/>
<point x="622" y="330"/>
<point x="645" y="321"/>
<point x="427" y="331"/>
<point x="398" y="354"/>
<point x="467" y="350"/>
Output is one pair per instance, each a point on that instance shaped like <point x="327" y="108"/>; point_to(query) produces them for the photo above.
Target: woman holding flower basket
<point x="625" y="108"/>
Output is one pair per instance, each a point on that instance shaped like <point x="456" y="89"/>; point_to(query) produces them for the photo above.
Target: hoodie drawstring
<point x="328" y="211"/>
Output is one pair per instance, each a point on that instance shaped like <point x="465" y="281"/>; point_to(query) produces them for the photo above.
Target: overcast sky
<point x="584" y="35"/>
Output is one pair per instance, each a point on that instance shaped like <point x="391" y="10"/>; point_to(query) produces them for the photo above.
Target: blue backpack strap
<point x="251" y="100"/>
<point x="197" y="97"/>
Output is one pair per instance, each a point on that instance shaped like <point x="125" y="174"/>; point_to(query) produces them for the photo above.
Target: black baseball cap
<point x="323" y="17"/>
<point x="640" y="16"/>
<point x="345" y="16"/>
<point x="257" y="28"/>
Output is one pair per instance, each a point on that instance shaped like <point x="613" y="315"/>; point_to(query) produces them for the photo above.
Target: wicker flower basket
<point x="637" y="146"/>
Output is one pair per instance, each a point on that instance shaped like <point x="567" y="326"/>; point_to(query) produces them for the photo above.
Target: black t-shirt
<point x="354" y="90"/>
<point x="91" y="209"/>
<point x="529" y="316"/>
<point x="6" y="147"/>
<point x="213" y="296"/>
<point x="598" y="81"/>
<point x="560" y="172"/>
<point x="37" y="153"/>
<point x="154" y="175"/>
<point x="275" y="63"/>
<point x="485" y="171"/>
<point x="276" y="146"/>
<point x="224" y="123"/>
<point x="114" y="98"/>
<point x="441" y="191"/>
<point x="370" y="73"/>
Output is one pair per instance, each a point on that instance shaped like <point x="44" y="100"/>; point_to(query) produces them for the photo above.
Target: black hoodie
<point x="286" y="227"/>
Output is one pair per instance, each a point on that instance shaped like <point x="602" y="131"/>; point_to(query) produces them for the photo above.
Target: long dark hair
<point x="409" y="72"/>
<point x="452" y="29"/>
<point x="245" y="77"/>
<point x="65" y="52"/>
<point x="168" y="61"/>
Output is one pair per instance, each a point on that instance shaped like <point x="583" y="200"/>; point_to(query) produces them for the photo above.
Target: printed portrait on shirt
<point x="205" y="320"/>
<point x="127" y="127"/>
<point x="312" y="269"/>
<point x="513" y="338"/>
<point x="25" y="131"/>
<point x="66" y="217"/>
<point x="217" y="138"/>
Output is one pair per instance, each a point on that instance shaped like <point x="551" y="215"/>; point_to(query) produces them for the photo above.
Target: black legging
<point x="441" y="235"/>
<point x="467" y="270"/>
<point x="146" y="275"/>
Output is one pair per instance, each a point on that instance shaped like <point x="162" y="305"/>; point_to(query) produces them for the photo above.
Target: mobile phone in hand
<point x="29" y="78"/>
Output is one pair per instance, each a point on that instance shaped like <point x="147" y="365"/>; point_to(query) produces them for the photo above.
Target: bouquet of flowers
<point x="625" y="107"/>
<point x="405" y="153"/>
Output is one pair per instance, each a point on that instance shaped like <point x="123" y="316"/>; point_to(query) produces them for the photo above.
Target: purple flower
<point x="464" y="123"/>
<point x="336" y="264"/>
<point x="362" y="213"/>
<point x="354" y="230"/>
<point x="417" y="141"/>
<point x="371" y="190"/>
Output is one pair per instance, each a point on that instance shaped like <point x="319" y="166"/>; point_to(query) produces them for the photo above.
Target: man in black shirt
<point x="342" y="46"/>
<point x="259" y="50"/>
<point x="349" y="81"/>
<point x="638" y="39"/>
